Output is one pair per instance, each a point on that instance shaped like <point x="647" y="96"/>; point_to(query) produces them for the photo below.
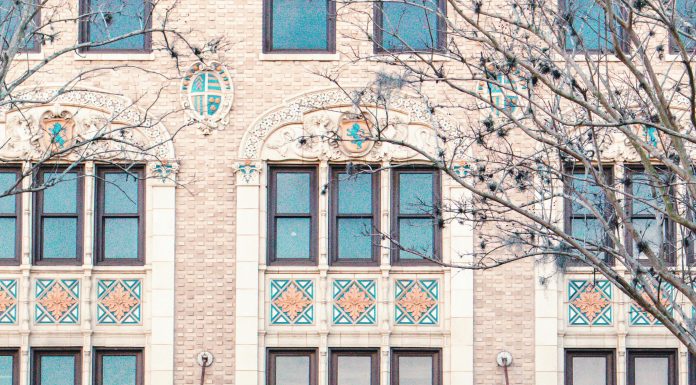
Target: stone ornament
<point x="8" y="301"/>
<point x="416" y="302"/>
<point x="500" y="92"/>
<point x="57" y="301"/>
<point x="119" y="301"/>
<point x="355" y="302"/>
<point x="207" y="95"/>
<point x="292" y="302"/>
<point x="637" y="316"/>
<point x="590" y="303"/>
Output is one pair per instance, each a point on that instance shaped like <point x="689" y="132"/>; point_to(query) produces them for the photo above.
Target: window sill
<point x="391" y="57"/>
<point x="300" y="56"/>
<point x="103" y="56"/>
<point x="30" y="56"/>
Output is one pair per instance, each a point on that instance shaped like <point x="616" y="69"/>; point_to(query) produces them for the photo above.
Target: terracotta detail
<point x="591" y="303"/>
<point x="354" y="302"/>
<point x="119" y="302"/>
<point x="292" y="302"/>
<point x="417" y="302"/>
<point x="57" y="301"/>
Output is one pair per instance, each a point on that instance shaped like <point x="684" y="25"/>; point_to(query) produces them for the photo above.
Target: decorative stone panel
<point x="8" y="301"/>
<point x="589" y="303"/>
<point x="292" y="302"/>
<point x="416" y="302"/>
<point x="119" y="301"/>
<point x="639" y="317"/>
<point x="57" y="301"/>
<point x="354" y="302"/>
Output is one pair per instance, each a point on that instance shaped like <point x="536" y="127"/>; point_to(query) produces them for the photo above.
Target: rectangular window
<point x="354" y="367"/>
<point x="10" y="209"/>
<point x="58" y="216"/>
<point x="291" y="367"/>
<point x="9" y="367"/>
<point x="105" y="20"/>
<point x="589" y="31"/>
<point x="415" y="367"/>
<point x="120" y="216"/>
<point x="409" y="25"/>
<point x="118" y="367"/>
<point x="415" y="215"/>
<point x="354" y="217"/>
<point x="292" y="214"/>
<point x="652" y="367"/>
<point x="299" y="26"/>
<point x="684" y="21"/>
<point x="11" y="15"/>
<point x="590" y="367"/>
<point x="585" y="200"/>
<point x="56" y="367"/>
<point x="643" y="192"/>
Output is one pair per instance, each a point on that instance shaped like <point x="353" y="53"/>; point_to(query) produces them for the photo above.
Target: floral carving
<point x="354" y="302"/>
<point x="5" y="301"/>
<point x="591" y="303"/>
<point x="119" y="302"/>
<point x="57" y="301"/>
<point x="292" y="302"/>
<point x="416" y="302"/>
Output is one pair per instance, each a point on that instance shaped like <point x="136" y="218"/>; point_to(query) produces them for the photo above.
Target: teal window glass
<point x="412" y="25"/>
<point x="8" y="216"/>
<point x="293" y="238"/>
<point x="293" y="193"/>
<point x="121" y="238"/>
<point x="120" y="215"/>
<point x="109" y="19"/>
<point x="354" y="216"/>
<point x="57" y="370"/>
<point x="354" y="193"/>
<point x="587" y="201"/>
<point x="8" y="237"/>
<point x="61" y="196"/>
<point x="59" y="216"/>
<point x="59" y="238"/>
<point x="6" y="370"/>
<point x="354" y="238"/>
<point x="299" y="24"/>
<point x="416" y="234"/>
<point x="11" y="14"/>
<point x="686" y="21"/>
<point x="415" y="193"/>
<point x="416" y="208"/>
<point x="292" y="214"/>
<point x="8" y="203"/>
<point x="121" y="193"/>
<point x="646" y="198"/>
<point x="119" y="369"/>
<point x="590" y="26"/>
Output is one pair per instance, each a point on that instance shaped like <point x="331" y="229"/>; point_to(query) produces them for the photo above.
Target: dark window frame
<point x="334" y="216"/>
<point x="100" y="216"/>
<point x="99" y="353"/>
<point x="18" y="219"/>
<point x="35" y="38"/>
<point x="334" y="353"/>
<point x="38" y="216"/>
<point x="691" y="372"/>
<point x="671" y="354"/>
<point x="436" y="355"/>
<point x="268" y="31"/>
<point x="37" y="353"/>
<point x="691" y="47"/>
<point x="608" y="354"/>
<point x="378" y="25"/>
<point x="272" y="353"/>
<point x="396" y="215"/>
<point x="14" y="353"/>
<point x="272" y="215"/>
<point x="623" y="41"/>
<point x="84" y="25"/>
<point x="568" y="206"/>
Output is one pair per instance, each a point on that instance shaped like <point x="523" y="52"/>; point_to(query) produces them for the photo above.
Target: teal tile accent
<point x="416" y="302"/>
<point x="639" y="317"/>
<point x="119" y="301"/>
<point x="354" y="302"/>
<point x="590" y="303"/>
<point x="292" y="302"/>
<point x="8" y="301"/>
<point x="57" y="301"/>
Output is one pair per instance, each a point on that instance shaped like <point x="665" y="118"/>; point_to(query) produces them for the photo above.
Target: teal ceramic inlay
<point x="416" y="302"/>
<point x="355" y="302"/>
<point x="8" y="301"/>
<point x="292" y="302"/>
<point x="119" y="301"/>
<point x="639" y="317"/>
<point x="590" y="303"/>
<point x="57" y="301"/>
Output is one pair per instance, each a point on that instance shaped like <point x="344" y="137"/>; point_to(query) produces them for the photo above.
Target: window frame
<point x="272" y="353"/>
<point x="84" y="26"/>
<point x="335" y="170"/>
<point x="396" y="215"/>
<point x="18" y="218"/>
<point x="267" y="44"/>
<point x="35" y="38"/>
<point x="623" y="41"/>
<point x="99" y="353"/>
<point x="100" y="215"/>
<point x="608" y="354"/>
<point x="436" y="355"/>
<point x="37" y="353"/>
<point x="378" y="26"/>
<point x="14" y="353"/>
<point x="334" y="353"/>
<point x="673" y="50"/>
<point x="671" y="354"/>
<point x="39" y="215"/>
<point x="272" y="215"/>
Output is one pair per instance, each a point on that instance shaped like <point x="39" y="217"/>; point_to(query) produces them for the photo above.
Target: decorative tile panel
<point x="119" y="301"/>
<point x="589" y="303"/>
<point x="639" y="317"/>
<point x="415" y="302"/>
<point x="292" y="302"/>
<point x="8" y="301"/>
<point x="57" y="301"/>
<point x="355" y="302"/>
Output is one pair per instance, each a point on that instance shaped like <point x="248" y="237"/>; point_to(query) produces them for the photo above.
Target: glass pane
<point x="293" y="238"/>
<point x="652" y="370"/>
<point x="650" y="232"/>
<point x="120" y="238"/>
<point x="120" y="193"/>
<point x="589" y="23"/>
<point x="57" y="370"/>
<point x="292" y="370"/>
<point x="119" y="370"/>
<point x="585" y="192"/>
<point x="588" y="230"/>
<point x="416" y="235"/>
<point x="354" y="238"/>
<point x="354" y="370"/>
<point x="293" y="193"/>
<point x="59" y="238"/>
<point x="410" y="26"/>
<point x="61" y="197"/>
<point x="8" y="229"/>
<point x="646" y="193"/>
<point x="687" y="12"/>
<point x="415" y="193"/>
<point x="300" y="24"/>
<point x="10" y="13"/>
<point x="354" y="194"/>
<point x="415" y="370"/>
<point x="7" y="203"/>
<point x="113" y="18"/>
<point x="6" y="370"/>
<point x="589" y="371"/>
